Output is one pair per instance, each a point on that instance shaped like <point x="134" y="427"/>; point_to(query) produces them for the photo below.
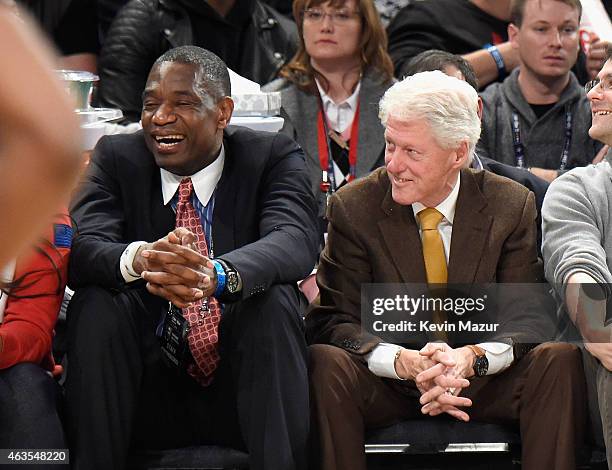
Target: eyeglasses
<point x="316" y="15"/>
<point x="604" y="85"/>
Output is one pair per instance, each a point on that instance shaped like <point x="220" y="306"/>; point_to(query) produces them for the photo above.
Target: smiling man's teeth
<point x="603" y="113"/>
<point x="400" y="180"/>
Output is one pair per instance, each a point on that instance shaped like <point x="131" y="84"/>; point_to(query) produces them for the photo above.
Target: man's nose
<point x="164" y="114"/>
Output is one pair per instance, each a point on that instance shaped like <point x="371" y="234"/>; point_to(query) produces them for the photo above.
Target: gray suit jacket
<point x="299" y="109"/>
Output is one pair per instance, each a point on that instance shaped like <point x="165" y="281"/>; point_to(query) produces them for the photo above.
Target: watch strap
<point x="220" y="270"/>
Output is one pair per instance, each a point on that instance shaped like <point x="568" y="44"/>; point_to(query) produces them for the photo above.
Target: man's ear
<point x="480" y="106"/>
<point x="513" y="32"/>
<point x="461" y="155"/>
<point x="226" y="108"/>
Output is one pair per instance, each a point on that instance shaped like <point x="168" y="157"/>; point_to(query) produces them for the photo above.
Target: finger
<point x="452" y="400"/>
<point x="431" y="348"/>
<point x="161" y="292"/>
<point x="167" y="253"/>
<point x="445" y="358"/>
<point x="184" y="235"/>
<point x="431" y="395"/>
<point x="195" y="280"/>
<point x="430" y="374"/>
<point x="451" y="382"/>
<point x="459" y="414"/>
<point x="182" y="293"/>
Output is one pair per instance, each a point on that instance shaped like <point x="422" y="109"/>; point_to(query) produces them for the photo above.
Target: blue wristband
<point x="220" y="278"/>
<point x="499" y="61"/>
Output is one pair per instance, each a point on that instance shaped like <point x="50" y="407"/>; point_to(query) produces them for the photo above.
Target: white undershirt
<point x="381" y="361"/>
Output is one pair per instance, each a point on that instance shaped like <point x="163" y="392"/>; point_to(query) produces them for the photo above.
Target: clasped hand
<point x="175" y="270"/>
<point x="444" y="375"/>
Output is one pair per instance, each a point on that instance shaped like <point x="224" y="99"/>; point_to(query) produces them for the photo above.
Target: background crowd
<point x="491" y="118"/>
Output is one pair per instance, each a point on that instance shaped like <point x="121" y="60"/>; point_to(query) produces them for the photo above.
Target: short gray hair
<point x="449" y="105"/>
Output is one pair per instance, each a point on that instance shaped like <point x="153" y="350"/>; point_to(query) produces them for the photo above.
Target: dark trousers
<point x="29" y="417"/>
<point x="599" y="392"/>
<point x="543" y="393"/>
<point x="120" y="394"/>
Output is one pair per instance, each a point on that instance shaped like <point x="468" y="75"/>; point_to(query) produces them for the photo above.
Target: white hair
<point x="449" y="105"/>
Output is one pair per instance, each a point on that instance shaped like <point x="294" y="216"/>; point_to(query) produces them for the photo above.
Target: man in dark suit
<point x="483" y="231"/>
<point x="240" y="381"/>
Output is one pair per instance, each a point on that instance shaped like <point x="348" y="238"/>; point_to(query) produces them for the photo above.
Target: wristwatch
<point x="481" y="364"/>
<point x="233" y="283"/>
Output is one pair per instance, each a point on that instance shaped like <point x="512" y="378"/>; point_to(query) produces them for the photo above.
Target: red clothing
<point x="27" y="329"/>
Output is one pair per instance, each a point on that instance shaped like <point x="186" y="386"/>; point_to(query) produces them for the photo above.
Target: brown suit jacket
<point x="372" y="239"/>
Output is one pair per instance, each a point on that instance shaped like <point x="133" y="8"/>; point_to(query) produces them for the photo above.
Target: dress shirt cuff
<point x="381" y="361"/>
<point x="126" y="263"/>
<point x="499" y="355"/>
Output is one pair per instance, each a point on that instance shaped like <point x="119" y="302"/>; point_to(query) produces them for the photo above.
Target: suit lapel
<point x="471" y="229"/>
<point x="401" y="235"/>
<point x="162" y="219"/>
<point x="225" y="205"/>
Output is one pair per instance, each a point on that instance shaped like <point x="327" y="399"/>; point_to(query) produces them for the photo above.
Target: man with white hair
<point x="427" y="218"/>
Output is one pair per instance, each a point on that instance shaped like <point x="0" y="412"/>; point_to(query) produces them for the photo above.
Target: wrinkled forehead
<point x="178" y="77"/>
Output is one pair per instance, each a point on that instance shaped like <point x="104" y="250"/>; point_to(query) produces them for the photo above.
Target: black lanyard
<point x="519" y="150"/>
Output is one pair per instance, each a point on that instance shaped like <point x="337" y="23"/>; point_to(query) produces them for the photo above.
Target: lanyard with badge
<point x="324" y="134"/>
<point x="519" y="149"/>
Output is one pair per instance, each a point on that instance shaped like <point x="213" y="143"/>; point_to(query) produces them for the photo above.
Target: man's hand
<point x="595" y="55"/>
<point x="547" y="175"/>
<point x="603" y="352"/>
<point x="441" y="383"/>
<point x="174" y="270"/>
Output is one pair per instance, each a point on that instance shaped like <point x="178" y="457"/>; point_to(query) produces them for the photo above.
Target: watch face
<point x="481" y="366"/>
<point x="232" y="282"/>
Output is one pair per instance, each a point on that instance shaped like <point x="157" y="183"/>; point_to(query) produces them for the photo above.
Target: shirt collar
<point x="446" y="207"/>
<point x="204" y="181"/>
<point x="351" y="101"/>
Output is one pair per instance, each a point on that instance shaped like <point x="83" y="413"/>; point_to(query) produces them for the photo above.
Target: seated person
<point x="427" y="218"/>
<point x="538" y="118"/>
<point x="475" y="29"/>
<point x="33" y="289"/>
<point x="456" y="66"/>
<point x="252" y="38"/>
<point x="330" y="90"/>
<point x="577" y="249"/>
<point x="234" y="219"/>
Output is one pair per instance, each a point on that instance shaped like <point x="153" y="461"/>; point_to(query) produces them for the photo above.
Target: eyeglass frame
<point x="333" y="16"/>
<point x="597" y="82"/>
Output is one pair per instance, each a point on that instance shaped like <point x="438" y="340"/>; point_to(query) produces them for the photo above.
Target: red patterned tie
<point x="202" y="316"/>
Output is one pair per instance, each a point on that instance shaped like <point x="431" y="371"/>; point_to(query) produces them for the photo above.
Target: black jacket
<point x="145" y="29"/>
<point x="264" y="221"/>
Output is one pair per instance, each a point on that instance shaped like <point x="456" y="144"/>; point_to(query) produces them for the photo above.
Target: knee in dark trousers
<point x="263" y="339"/>
<point x="29" y="417"/>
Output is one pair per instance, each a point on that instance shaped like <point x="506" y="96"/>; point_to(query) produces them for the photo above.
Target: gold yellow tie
<point x="435" y="260"/>
<point x="433" y="248"/>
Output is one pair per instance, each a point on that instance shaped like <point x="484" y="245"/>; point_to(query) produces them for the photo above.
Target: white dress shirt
<point x="204" y="184"/>
<point x="339" y="116"/>
<point x="381" y="361"/>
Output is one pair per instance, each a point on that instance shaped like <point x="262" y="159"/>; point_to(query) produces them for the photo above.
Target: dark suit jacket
<point x="527" y="179"/>
<point x="372" y="239"/>
<point x="263" y="223"/>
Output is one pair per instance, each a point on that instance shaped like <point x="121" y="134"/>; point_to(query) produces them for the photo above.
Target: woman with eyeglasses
<point x="331" y="89"/>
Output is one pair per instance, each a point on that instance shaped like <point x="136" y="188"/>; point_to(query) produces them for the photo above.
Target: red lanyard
<point x="326" y="162"/>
